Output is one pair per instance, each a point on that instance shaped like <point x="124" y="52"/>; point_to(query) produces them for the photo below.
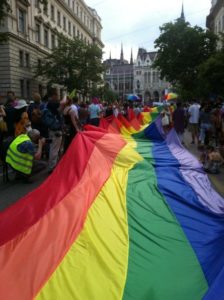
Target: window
<point x="69" y="3"/>
<point x="64" y="23"/>
<point x="69" y="28"/>
<point x="38" y="33"/>
<point x="59" y="18"/>
<point x="22" y="88"/>
<point x="39" y="63"/>
<point x="21" y="58"/>
<point x="27" y="56"/>
<point x="74" y="32"/>
<point x="52" y="41"/>
<point x="222" y="23"/>
<point x="28" y="89"/>
<point x="73" y="6"/>
<point x="22" y="21"/>
<point x="46" y="38"/>
<point x="78" y="34"/>
<point x="52" y="13"/>
<point x="46" y="9"/>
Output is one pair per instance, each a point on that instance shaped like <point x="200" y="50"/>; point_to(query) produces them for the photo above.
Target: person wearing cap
<point x="21" y="118"/>
<point x="22" y="154"/>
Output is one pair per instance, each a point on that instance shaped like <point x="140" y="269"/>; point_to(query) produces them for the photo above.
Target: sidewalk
<point x="217" y="180"/>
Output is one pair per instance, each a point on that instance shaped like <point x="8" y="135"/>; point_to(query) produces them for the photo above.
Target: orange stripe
<point x="28" y="261"/>
<point x="31" y="208"/>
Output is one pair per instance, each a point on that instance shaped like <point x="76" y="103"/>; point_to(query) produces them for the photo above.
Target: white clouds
<point x="136" y="23"/>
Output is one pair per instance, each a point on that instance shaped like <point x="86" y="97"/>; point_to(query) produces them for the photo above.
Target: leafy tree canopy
<point x="211" y="75"/>
<point x="181" y="49"/>
<point x="74" y="65"/>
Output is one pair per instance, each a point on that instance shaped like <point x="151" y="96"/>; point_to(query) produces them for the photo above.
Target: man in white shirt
<point x="75" y="106"/>
<point x="194" y="112"/>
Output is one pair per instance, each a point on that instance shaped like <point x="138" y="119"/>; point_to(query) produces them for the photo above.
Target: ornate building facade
<point x="215" y="19"/>
<point x="119" y="75"/>
<point x="147" y="82"/>
<point x="32" y="33"/>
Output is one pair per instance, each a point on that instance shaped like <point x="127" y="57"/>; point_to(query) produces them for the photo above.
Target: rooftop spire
<point x="122" y="54"/>
<point x="182" y="16"/>
<point x="131" y="60"/>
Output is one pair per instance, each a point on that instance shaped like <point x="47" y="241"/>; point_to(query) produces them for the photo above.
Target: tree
<point x="74" y="65"/>
<point x="181" y="49"/>
<point x="211" y="75"/>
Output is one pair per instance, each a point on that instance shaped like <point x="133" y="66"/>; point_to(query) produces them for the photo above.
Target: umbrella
<point x="133" y="97"/>
<point x="171" y="96"/>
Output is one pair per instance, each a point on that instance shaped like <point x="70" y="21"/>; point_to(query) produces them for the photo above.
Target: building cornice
<point x="25" y="41"/>
<point x="97" y="40"/>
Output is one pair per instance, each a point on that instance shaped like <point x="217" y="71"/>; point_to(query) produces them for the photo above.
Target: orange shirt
<point x="20" y="126"/>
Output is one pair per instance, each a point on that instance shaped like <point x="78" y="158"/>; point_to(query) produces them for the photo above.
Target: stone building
<point x="32" y="33"/>
<point x="119" y="75"/>
<point x="215" y="19"/>
<point x="147" y="82"/>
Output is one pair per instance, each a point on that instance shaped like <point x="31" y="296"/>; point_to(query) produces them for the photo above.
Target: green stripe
<point x="162" y="264"/>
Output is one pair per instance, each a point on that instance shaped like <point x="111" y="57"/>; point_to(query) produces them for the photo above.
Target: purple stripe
<point x="194" y="175"/>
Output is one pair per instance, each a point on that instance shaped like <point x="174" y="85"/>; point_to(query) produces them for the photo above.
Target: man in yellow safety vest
<point x="21" y="153"/>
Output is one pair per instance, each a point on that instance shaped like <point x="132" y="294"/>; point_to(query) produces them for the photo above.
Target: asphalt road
<point x="13" y="190"/>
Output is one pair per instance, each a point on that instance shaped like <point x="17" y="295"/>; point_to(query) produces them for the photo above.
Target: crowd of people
<point x="38" y="133"/>
<point x="205" y="122"/>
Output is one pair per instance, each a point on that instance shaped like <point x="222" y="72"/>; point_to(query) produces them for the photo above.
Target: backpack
<point x="50" y="120"/>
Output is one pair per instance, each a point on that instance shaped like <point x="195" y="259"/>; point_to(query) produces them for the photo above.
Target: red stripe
<point x="29" y="209"/>
<point x="28" y="261"/>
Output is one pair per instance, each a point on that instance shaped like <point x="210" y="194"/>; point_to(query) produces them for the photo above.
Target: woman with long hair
<point x="71" y="123"/>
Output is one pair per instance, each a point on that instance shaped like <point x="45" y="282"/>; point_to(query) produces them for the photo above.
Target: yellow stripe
<point x="95" y="267"/>
<point x="146" y="117"/>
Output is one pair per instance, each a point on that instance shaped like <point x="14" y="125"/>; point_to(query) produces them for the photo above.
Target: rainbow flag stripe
<point x="127" y="214"/>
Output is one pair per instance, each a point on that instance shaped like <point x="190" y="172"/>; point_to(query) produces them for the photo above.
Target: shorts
<point x="193" y="128"/>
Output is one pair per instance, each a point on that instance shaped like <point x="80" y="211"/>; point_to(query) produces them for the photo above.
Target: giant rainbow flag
<point x="127" y="214"/>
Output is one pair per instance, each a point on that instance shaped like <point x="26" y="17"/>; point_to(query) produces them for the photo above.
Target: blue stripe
<point x="203" y="228"/>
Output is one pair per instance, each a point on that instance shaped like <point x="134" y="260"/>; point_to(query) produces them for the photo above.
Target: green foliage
<point x="211" y="75"/>
<point x="74" y="65"/>
<point x="181" y="49"/>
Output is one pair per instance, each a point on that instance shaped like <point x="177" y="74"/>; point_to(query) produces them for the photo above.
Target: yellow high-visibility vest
<point x="22" y="162"/>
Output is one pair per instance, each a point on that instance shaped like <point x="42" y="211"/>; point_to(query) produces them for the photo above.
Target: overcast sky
<point x="136" y="23"/>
